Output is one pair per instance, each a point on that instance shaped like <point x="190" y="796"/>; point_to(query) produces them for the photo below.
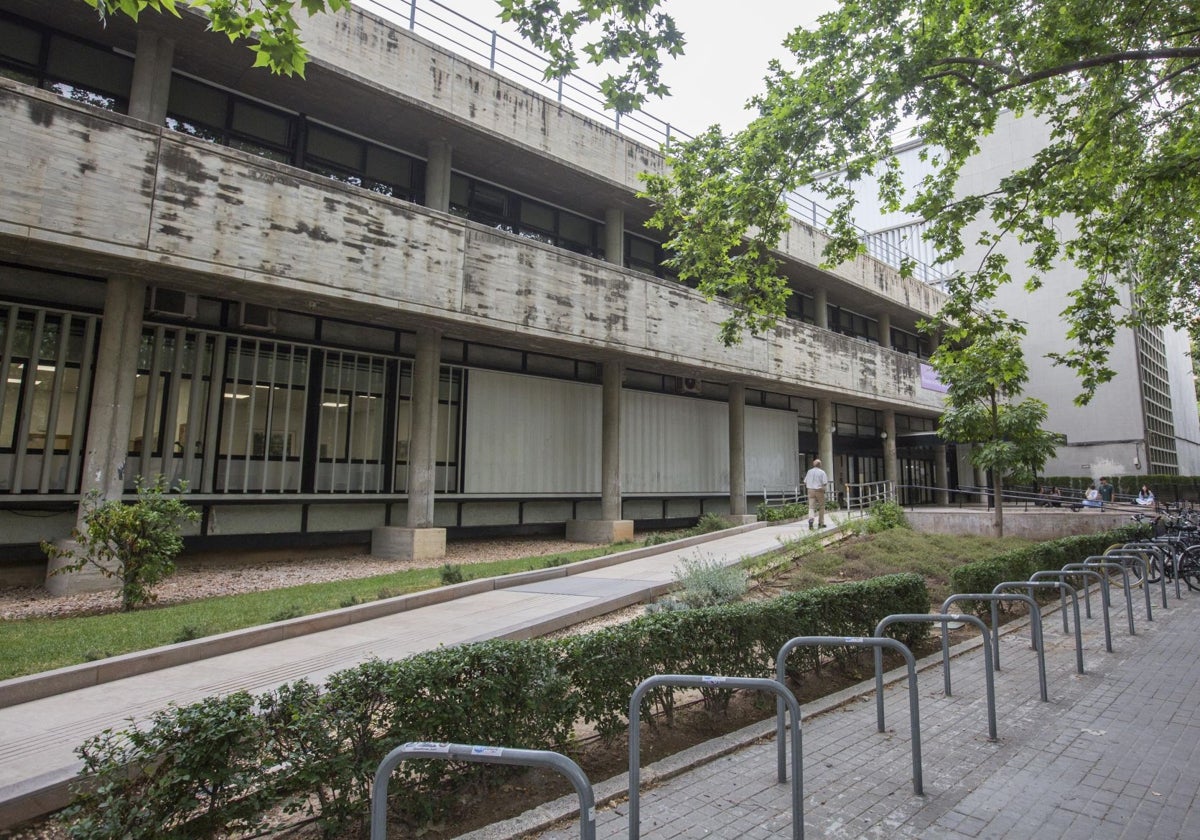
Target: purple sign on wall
<point x="930" y="381"/>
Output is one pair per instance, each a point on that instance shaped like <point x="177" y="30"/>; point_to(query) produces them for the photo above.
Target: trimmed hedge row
<point x="221" y="765"/>
<point x="1167" y="488"/>
<point x="982" y="577"/>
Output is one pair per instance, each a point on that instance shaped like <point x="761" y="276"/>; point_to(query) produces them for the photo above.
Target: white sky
<point x="724" y="62"/>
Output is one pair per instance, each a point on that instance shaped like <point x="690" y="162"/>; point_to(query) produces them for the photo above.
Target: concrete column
<point x="891" y="465"/>
<point x="151" y="84"/>
<point x="737" y="456"/>
<point x="941" y="475"/>
<point x="110" y="417"/>
<point x="821" y="308"/>
<point x="419" y="539"/>
<point x="610" y="527"/>
<point x="885" y="331"/>
<point x="825" y="439"/>
<point x="437" y="175"/>
<point x="614" y="236"/>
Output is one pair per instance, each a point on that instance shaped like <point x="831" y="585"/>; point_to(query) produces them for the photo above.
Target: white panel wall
<point x="530" y="435"/>
<point x="673" y="444"/>
<point x="772" y="449"/>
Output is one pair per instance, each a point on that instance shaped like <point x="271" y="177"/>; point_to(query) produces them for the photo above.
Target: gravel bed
<point x="194" y="580"/>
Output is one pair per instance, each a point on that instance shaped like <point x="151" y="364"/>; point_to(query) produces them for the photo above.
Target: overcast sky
<point x="728" y="47"/>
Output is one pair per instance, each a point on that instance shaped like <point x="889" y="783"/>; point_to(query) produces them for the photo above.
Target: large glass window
<point x="78" y="70"/>
<point x="496" y="207"/>
<point x="851" y="323"/>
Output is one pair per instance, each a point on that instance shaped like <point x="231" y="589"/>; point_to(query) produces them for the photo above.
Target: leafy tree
<point x="137" y="543"/>
<point x="981" y="363"/>
<point x="1116" y="85"/>
<point x="269" y="25"/>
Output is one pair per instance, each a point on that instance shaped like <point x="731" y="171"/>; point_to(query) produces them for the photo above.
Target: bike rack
<point x="1081" y="569"/>
<point x="1063" y="588"/>
<point x="693" y="681"/>
<point x="914" y="712"/>
<point x="1159" y="550"/>
<point x="942" y="618"/>
<point x="1098" y="562"/>
<point x="994" y="598"/>
<point x="1175" y="546"/>
<point x="1136" y="557"/>
<point x="1035" y="619"/>
<point x="483" y="755"/>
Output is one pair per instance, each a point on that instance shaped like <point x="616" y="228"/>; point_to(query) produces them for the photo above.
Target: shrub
<point x="451" y="574"/>
<point x="709" y="523"/>
<point x="706" y="583"/>
<point x="883" y="516"/>
<point x="780" y="513"/>
<point x="137" y="543"/>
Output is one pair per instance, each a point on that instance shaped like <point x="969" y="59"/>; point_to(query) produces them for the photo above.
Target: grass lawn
<point x="30" y="646"/>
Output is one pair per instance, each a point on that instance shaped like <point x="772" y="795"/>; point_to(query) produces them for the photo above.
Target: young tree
<point x="981" y="364"/>
<point x="269" y="25"/>
<point x="136" y="543"/>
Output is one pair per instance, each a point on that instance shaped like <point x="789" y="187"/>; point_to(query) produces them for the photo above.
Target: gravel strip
<point x="195" y="580"/>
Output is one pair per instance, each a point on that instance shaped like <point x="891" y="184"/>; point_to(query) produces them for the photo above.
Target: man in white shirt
<point x="815" y="481"/>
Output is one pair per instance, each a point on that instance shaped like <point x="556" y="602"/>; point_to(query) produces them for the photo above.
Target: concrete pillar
<point x="885" y="330"/>
<point x="941" y="475"/>
<point x="151" y="84"/>
<point x="825" y="439"/>
<point x="821" y="309"/>
<point x="437" y="175"/>
<point x="614" y="236"/>
<point x="737" y="456"/>
<point x="610" y="527"/>
<point x="419" y="539"/>
<point x="891" y="465"/>
<point x="110" y="417"/>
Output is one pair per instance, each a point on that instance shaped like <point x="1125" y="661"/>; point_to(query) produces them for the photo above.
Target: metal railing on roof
<point x="451" y="29"/>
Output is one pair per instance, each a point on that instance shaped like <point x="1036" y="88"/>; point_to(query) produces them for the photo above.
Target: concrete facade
<point x="322" y="354"/>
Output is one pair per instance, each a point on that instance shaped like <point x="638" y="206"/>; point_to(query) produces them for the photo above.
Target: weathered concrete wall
<point x="104" y="185"/>
<point x="412" y="69"/>
<point x="1033" y="524"/>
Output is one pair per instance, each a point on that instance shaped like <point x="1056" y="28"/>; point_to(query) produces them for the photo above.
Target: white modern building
<point x="1143" y="421"/>
<point x="401" y="297"/>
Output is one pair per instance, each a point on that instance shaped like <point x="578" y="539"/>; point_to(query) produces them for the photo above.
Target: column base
<point x="600" y="531"/>
<point x="87" y="579"/>
<point x="396" y="543"/>
<point x="740" y="518"/>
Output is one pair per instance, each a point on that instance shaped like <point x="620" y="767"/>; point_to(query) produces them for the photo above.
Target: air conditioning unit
<point x="689" y="385"/>
<point x="171" y="303"/>
<point x="253" y="316"/>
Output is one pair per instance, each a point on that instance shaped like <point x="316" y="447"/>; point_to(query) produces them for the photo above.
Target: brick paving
<point x="1111" y="756"/>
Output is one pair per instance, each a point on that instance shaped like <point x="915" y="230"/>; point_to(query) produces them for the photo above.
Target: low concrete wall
<point x="1034" y="524"/>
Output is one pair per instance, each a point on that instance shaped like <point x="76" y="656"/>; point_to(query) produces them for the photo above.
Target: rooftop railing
<point x="451" y="29"/>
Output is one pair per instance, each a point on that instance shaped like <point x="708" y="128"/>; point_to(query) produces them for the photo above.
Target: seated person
<point x="1056" y="497"/>
<point x="1092" y="497"/>
<point x="1145" y="498"/>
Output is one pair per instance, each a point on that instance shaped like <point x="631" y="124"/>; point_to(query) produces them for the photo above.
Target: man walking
<point x="815" y="481"/>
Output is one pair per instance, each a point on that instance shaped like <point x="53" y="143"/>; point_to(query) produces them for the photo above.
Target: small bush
<point x="189" y="632"/>
<point x="781" y="513"/>
<point x="709" y="523"/>
<point x="451" y="574"/>
<point x="137" y="543"/>
<point x="287" y="613"/>
<point x="655" y="538"/>
<point x="707" y="583"/>
<point x="884" y="516"/>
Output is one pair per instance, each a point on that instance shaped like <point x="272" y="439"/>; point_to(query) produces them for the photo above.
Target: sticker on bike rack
<point x="494" y="752"/>
<point x="590" y="816"/>
<point x="853" y="640"/>
<point x="428" y="746"/>
<point x="712" y="680"/>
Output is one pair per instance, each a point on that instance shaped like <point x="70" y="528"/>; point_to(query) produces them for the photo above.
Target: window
<point x="78" y="70"/>
<point x="913" y="345"/>
<point x="801" y="307"/>
<point x="851" y="323"/>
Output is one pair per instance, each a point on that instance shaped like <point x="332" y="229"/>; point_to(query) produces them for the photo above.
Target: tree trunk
<point x="998" y="494"/>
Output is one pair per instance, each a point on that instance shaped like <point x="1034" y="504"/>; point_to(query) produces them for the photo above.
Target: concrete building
<point x="1143" y="421"/>
<point x="398" y="297"/>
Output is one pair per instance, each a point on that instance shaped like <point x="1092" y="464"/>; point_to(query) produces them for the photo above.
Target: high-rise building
<point x="400" y="296"/>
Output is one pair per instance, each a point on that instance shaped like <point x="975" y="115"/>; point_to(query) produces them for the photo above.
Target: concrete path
<point x="1113" y="755"/>
<point x="38" y="737"/>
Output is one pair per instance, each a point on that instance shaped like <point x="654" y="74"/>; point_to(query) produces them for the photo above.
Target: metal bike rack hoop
<point x="482" y="755"/>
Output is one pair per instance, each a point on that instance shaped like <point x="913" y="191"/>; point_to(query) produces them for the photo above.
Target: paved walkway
<point x="38" y="737"/>
<point x="1115" y="753"/>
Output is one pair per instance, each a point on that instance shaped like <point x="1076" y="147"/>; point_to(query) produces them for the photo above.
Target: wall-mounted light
<point x="1137" y="456"/>
<point x="883" y="436"/>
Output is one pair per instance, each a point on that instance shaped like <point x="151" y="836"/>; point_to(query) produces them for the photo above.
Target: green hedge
<point x="1167" y="488"/>
<point x="308" y="750"/>
<point x="1020" y="564"/>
